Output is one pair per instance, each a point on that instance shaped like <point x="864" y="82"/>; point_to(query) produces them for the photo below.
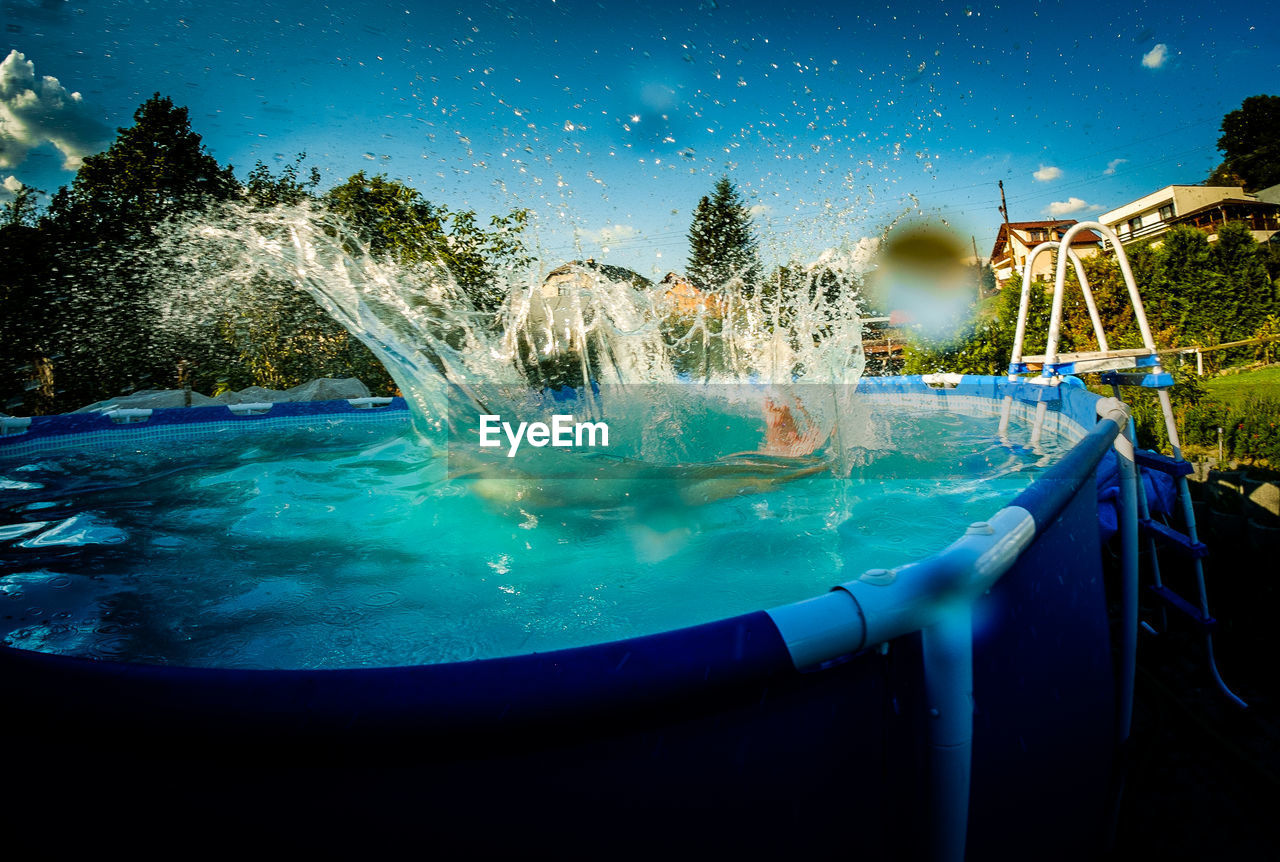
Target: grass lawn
<point x="1233" y="388"/>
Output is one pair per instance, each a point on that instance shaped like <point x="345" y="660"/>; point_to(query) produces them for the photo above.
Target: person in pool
<point x="786" y="454"/>
<point x="784" y="436"/>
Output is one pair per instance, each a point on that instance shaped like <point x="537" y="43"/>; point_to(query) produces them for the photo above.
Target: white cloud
<point x="1112" y="165"/>
<point x="759" y="209"/>
<point x="34" y="112"/>
<point x="1069" y="206"/>
<point x="608" y="234"/>
<point x="1046" y="173"/>
<point x="12" y="185"/>
<point x="1156" y="57"/>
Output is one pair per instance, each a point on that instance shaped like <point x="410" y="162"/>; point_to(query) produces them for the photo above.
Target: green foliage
<point x="1250" y="431"/>
<point x="1250" y="142"/>
<point x="1270" y="329"/>
<point x="1223" y="176"/>
<point x="266" y="190"/>
<point x="1186" y="394"/>
<point x="22" y="209"/>
<point x="280" y="338"/>
<point x="395" y="220"/>
<point x="795" y="288"/>
<point x="277" y="336"/>
<point x="1185" y="287"/>
<point x="25" y="320"/>
<point x="984" y="343"/>
<point x="155" y="169"/>
<point x="78" y="311"/>
<point x="392" y="218"/>
<point x="94" y="289"/>
<point x="722" y="242"/>
<point x="1246" y="295"/>
<point x="987" y="281"/>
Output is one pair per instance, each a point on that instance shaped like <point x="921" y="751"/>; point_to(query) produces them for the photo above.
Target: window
<point x="1135" y="224"/>
<point x="1166" y="212"/>
<point x="1039" y="234"/>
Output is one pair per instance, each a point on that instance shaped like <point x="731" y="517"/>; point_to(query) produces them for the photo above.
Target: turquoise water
<point x="354" y="548"/>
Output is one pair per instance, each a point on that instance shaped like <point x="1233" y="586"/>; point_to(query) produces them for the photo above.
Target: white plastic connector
<point x="12" y="426"/>
<point x="942" y="381"/>
<point x="253" y="408"/>
<point x="128" y="415"/>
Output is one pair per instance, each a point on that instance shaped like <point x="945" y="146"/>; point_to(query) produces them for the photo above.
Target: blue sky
<point x="610" y="120"/>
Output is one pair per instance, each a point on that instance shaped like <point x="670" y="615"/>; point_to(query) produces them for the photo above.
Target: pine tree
<point x="722" y="242"/>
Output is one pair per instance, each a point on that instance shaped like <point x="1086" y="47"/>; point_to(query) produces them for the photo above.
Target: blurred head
<point x="921" y="271"/>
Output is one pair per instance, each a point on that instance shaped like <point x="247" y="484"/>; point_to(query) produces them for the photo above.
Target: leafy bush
<point x="1250" y="432"/>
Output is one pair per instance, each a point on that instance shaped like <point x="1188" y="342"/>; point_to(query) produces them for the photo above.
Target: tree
<point x="266" y="190"/>
<point x="155" y="169"/>
<point x="22" y="209"/>
<point x="395" y="220"/>
<point x="1250" y="142"/>
<point x="272" y="334"/>
<point x="984" y="344"/>
<point x="1246" y="296"/>
<point x="1185" y="283"/>
<point x="99" y="281"/>
<point x="722" y="242"/>
<point x="25" y="319"/>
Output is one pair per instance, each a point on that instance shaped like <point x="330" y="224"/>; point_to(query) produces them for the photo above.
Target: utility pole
<point x="1008" y="233"/>
<point x="977" y="264"/>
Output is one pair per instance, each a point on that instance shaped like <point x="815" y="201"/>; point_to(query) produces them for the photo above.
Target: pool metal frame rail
<point x="1145" y="372"/>
<point x="936" y="598"/>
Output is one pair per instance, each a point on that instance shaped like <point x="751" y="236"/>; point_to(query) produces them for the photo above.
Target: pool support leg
<point x="948" y="679"/>
<point x="1114" y="409"/>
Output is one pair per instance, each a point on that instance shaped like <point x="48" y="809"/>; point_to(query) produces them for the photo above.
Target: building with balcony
<point x="1203" y="207"/>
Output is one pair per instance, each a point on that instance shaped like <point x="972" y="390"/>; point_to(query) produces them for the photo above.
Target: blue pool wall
<point x="711" y="729"/>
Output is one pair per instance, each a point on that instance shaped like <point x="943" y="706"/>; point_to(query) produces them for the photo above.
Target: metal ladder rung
<point x="1130" y="353"/>
<point x="1092" y="361"/>
<point x="1163" y="380"/>
<point x="1178" y="603"/>
<point x="1171" y="537"/>
<point x="1163" y="463"/>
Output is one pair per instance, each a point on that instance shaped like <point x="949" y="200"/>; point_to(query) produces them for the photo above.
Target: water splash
<point x="795" y="341"/>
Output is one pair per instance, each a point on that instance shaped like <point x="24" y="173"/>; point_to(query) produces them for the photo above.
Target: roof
<point x="1024" y="225"/>
<point x="1236" y="202"/>
<point x="1269" y="195"/>
<point x="608" y="271"/>
<point x="1084" y="237"/>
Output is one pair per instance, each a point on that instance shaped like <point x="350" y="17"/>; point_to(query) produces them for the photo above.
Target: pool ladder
<point x="1120" y="368"/>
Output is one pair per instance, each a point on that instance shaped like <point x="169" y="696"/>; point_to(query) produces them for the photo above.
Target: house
<point x="1203" y="207"/>
<point x="561" y="296"/>
<point x="1016" y="239"/>
<point x="578" y="274"/>
<point x="1271" y="195"/>
<point x="685" y="299"/>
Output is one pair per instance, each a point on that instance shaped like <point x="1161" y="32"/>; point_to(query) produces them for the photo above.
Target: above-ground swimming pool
<point x="796" y="658"/>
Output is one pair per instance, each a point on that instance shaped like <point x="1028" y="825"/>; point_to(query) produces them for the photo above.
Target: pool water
<point x="355" y="548"/>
